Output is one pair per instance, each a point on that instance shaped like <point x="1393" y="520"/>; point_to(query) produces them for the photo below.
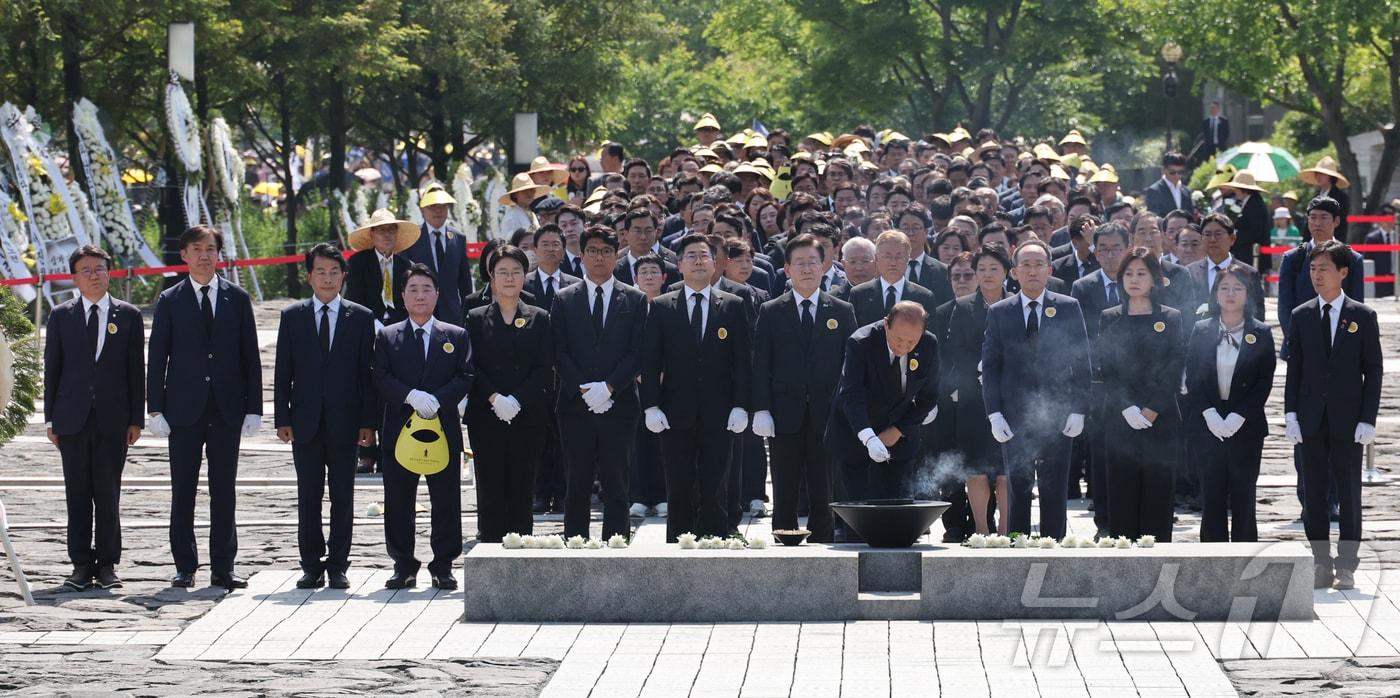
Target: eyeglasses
<point x="96" y="271"/>
<point x="697" y="257"/>
<point x="599" y="251"/>
<point x="806" y="264"/>
<point x="1214" y="234"/>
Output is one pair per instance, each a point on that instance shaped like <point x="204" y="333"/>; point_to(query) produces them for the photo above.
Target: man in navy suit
<point x="695" y="390"/>
<point x="1027" y="400"/>
<point x="204" y="391"/>
<point x="1169" y="193"/>
<point x="873" y="299"/>
<point x="1331" y="398"/>
<point x="93" y="376"/>
<point x="598" y="326"/>
<point x="443" y="249"/>
<point x="323" y="404"/>
<point x="639" y="230"/>
<point x="422" y="365"/>
<point x="544" y="283"/>
<point x="887" y="394"/>
<point x="1219" y="235"/>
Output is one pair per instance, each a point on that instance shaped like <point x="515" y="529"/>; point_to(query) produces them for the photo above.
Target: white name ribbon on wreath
<point x="14" y="240"/>
<point x="468" y="210"/>
<point x="111" y="209"/>
<point x="227" y="165"/>
<point x="55" y="222"/>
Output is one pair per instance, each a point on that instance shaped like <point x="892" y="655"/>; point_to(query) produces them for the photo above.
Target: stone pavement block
<point x="1315" y="639"/>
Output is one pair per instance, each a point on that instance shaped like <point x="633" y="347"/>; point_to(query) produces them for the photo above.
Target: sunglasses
<point x="578" y="169"/>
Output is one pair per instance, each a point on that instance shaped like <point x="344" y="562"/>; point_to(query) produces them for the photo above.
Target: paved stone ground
<point x="153" y="614"/>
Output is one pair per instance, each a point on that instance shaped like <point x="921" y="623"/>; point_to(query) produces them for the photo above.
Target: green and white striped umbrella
<point x="1266" y="162"/>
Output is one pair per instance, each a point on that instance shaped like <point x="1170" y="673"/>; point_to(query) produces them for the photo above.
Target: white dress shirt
<point x="898" y="289"/>
<point x="704" y="294"/>
<point x="427" y="328"/>
<point x="1210" y="269"/>
<point x="903" y="368"/>
<point x="607" y="294"/>
<point x="797" y="300"/>
<point x="104" y="309"/>
<point x="213" y="294"/>
<point x="1226" y="354"/>
<point x="316" y="306"/>
<point x="1332" y="316"/>
<point x="1026" y="307"/>
<point x="558" y="277"/>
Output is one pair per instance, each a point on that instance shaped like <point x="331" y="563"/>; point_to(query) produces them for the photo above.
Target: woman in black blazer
<point x="509" y="404"/>
<point x="962" y="352"/>
<point x="1140" y="351"/>
<point x="1229" y="375"/>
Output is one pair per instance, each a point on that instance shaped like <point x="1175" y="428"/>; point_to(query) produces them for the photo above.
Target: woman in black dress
<point x="962" y="352"/>
<point x="1140" y="352"/>
<point x="509" y="406"/>
<point x="1229" y="374"/>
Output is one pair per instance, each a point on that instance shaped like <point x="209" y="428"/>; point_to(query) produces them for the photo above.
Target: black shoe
<point x="951" y="537"/>
<point x="311" y="581"/>
<point x="541" y="505"/>
<point x="401" y="581"/>
<point x="445" y="582"/>
<point x="1346" y="579"/>
<point x="228" y="581"/>
<point x="1322" y="576"/>
<point x="182" y="580"/>
<point x="107" y="578"/>
<point x="338" y="580"/>
<point x="80" y="579"/>
<point x="364" y="469"/>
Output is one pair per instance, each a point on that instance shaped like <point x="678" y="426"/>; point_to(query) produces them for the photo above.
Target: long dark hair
<point x="1153" y="267"/>
<point x="1241" y="274"/>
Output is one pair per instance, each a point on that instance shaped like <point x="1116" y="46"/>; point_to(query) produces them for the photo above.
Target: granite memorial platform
<point x="660" y="583"/>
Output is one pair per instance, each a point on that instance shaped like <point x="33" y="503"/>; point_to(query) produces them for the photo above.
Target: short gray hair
<point x="858" y="243"/>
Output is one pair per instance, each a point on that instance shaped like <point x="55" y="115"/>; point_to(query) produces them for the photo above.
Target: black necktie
<point x="697" y="317"/>
<point x="92" y="330"/>
<point x="889" y="299"/>
<point x="598" y="310"/>
<point x="418" y="337"/>
<point x="1032" y="320"/>
<point x="1327" y="327"/>
<point x="913" y="271"/>
<point x="206" y="310"/>
<point x="438" y="248"/>
<point x="548" y="291"/>
<point x="1112" y="294"/>
<point x="325" y="329"/>
<point x="809" y="320"/>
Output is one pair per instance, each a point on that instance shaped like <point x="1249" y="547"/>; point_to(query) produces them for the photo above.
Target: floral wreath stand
<point x="14" y="558"/>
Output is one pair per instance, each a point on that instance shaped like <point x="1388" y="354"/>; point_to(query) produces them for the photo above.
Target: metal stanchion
<point x="14" y="559"/>
<point x="1369" y="475"/>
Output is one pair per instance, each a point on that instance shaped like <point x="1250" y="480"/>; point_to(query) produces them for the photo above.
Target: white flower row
<point x="689" y="541"/>
<point x="980" y="541"/>
<point x="112" y="210"/>
<point x="516" y="541"/>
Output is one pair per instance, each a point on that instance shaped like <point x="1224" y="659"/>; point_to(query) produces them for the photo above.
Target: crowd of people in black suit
<point x="958" y="317"/>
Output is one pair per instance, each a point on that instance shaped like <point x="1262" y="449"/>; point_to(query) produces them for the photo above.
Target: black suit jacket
<point x="1344" y="199"/>
<point x="1020" y="376"/>
<point x="795" y="375"/>
<point x="1222" y="133"/>
<point x="622" y="271"/>
<point x="364" y="285"/>
<point x="1161" y="202"/>
<point x="1179" y="290"/>
<point x="1200" y="284"/>
<point x="1250" y="384"/>
<point x="535" y="288"/>
<point x="1066" y="268"/>
<point x="869" y="302"/>
<point x="933" y="275"/>
<point x="75" y="384"/>
<point x="961" y="344"/>
<point x="400" y="366"/>
<point x="1343" y="385"/>
<point x="454" y="278"/>
<point x="1092" y="295"/>
<point x="187" y="368"/>
<point x="515" y="359"/>
<point x="585" y="356"/>
<point x="1295" y="284"/>
<point x="309" y="386"/>
<point x="869" y="395"/>
<point x="697" y="383"/>
<point x="1252" y="228"/>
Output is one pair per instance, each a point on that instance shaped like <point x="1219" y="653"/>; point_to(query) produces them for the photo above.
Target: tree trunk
<point x="284" y="113"/>
<point x="437" y="126"/>
<point x="71" y="48"/>
<point x="335" y="128"/>
<point x="1385" y="169"/>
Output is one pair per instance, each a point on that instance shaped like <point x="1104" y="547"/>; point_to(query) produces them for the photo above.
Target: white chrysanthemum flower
<point x="687" y="541"/>
<point x="1023" y="542"/>
<point x="977" y="540"/>
<point x="1046" y="543"/>
<point x="595" y="544"/>
<point x="1106" y="542"/>
<point x="1147" y="541"/>
<point x="617" y="541"/>
<point x="758" y="542"/>
<point x="576" y="542"/>
<point x="512" y="541"/>
<point x="736" y="544"/>
<point x="1122" y="543"/>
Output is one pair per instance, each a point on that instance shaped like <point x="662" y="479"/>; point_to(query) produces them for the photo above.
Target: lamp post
<point x="1171" y="55"/>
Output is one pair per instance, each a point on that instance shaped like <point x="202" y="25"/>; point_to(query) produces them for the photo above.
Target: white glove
<point x="506" y="408"/>
<point x="932" y="415"/>
<point x="656" y="420"/>
<point x="462" y="405"/>
<point x="1215" y="423"/>
<point x="763" y="424"/>
<point x="423" y="403"/>
<point x="876" y="450"/>
<point x="1134" y="417"/>
<point x="251" y="424"/>
<point x="158" y="426"/>
<point x="1291" y="428"/>
<point x="1074" y="425"/>
<point x="1001" y="431"/>
<point x="595" y="394"/>
<point x="738" y="420"/>
<point x="1232" y="424"/>
<point x="1365" y="433"/>
<point x="603" y="408"/>
<point x="955" y="396"/>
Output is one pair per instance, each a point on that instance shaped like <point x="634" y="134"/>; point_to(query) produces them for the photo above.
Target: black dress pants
<point x="400" y="519"/>
<point x="1338" y="459"/>
<point x="597" y="446"/>
<point x="321" y="462"/>
<point x="697" y="481"/>
<point x="796" y="455"/>
<point x="216" y="440"/>
<point x="1229" y="471"/>
<point x="506" y="458"/>
<point x="92" y="480"/>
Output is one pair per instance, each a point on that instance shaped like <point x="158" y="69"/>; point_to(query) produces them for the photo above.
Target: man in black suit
<point x="93" y="376"/>
<point x="544" y="283"/>
<point x="887" y="394"/>
<point x="204" y="391"/>
<point x="873" y="299"/>
<point x="443" y="249"/>
<point x="1331" y="398"/>
<point x="639" y="231"/>
<point x="323" y="404"/>
<point x="923" y="268"/>
<point x="799" y="344"/>
<point x="1098" y="292"/>
<point x="1383" y="234"/>
<point x="1024" y="400"/>
<point x="695" y="390"/>
<point x="1215" y="130"/>
<point x="599" y="326"/>
<point x="1079" y="262"/>
<point x="1295" y="285"/>
<point x="571" y="221"/>
<point x="422" y="365"/>
<point x="1218" y="233"/>
<point x="1170" y="193"/>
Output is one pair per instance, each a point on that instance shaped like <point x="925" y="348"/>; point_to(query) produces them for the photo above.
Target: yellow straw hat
<point x="363" y="239"/>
